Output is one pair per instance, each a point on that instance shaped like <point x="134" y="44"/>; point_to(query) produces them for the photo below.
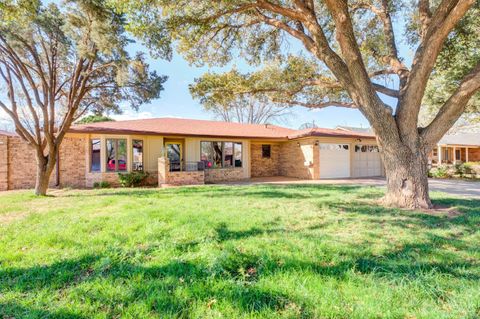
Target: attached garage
<point x="334" y="160"/>
<point x="366" y="161"/>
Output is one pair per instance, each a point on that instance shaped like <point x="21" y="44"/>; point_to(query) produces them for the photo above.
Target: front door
<point x="174" y="154"/>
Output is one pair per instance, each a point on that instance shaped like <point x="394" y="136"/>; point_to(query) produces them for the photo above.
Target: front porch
<point x="454" y="154"/>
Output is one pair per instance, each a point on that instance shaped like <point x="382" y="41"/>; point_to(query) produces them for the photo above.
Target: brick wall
<point x="264" y="167"/>
<point x="224" y="174"/>
<point x="21" y="165"/>
<point x="3" y="163"/>
<point x="474" y="154"/>
<point x="72" y="164"/>
<point x="297" y="159"/>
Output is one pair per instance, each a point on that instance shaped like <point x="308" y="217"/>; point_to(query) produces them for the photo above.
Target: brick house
<point x="458" y="148"/>
<point x="181" y="151"/>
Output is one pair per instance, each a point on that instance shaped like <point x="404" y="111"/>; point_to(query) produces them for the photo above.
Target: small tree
<point x="92" y="118"/>
<point x="351" y="45"/>
<point x="241" y="107"/>
<point x="57" y="63"/>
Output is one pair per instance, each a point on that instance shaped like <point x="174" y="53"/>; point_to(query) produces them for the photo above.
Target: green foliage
<point x="132" y="179"/>
<point x="102" y="184"/>
<point x="265" y="251"/>
<point x="278" y="82"/>
<point x="459" y="56"/>
<point x="441" y="171"/>
<point x="94" y="119"/>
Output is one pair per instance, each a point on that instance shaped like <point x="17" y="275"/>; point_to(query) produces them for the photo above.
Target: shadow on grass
<point x="469" y="217"/>
<point x="16" y="310"/>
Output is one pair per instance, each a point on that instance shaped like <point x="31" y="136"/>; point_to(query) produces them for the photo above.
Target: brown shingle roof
<point x="329" y="133"/>
<point x="187" y="127"/>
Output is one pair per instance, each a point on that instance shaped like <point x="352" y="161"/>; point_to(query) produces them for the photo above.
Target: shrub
<point x="441" y="171"/>
<point x="132" y="179"/>
<point x="474" y="168"/>
<point x="102" y="184"/>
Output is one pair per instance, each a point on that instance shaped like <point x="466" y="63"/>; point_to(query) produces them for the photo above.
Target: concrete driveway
<point x="470" y="189"/>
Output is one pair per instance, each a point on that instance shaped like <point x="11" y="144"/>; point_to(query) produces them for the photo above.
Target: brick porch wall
<point x="224" y="174"/>
<point x="185" y="178"/>
<point x="264" y="167"/>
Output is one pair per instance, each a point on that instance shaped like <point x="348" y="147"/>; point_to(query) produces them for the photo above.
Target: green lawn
<point x="235" y="252"/>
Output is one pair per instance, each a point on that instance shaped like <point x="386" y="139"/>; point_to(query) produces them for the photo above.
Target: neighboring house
<point x="458" y="148"/>
<point x="182" y="151"/>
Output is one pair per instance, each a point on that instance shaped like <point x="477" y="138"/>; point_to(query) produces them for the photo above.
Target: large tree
<point x="350" y="44"/>
<point x="59" y="62"/>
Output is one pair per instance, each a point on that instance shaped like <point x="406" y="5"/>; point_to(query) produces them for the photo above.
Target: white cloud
<point x="132" y="115"/>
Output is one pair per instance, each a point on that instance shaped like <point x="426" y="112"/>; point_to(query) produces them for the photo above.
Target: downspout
<point x="57" y="170"/>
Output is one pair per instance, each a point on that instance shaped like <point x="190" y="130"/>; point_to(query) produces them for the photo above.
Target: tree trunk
<point x="45" y="165"/>
<point x="407" y="179"/>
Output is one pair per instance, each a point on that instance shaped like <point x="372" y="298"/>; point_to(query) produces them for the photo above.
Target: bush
<point x="102" y="184"/>
<point x="132" y="179"/>
<point x="473" y="168"/>
<point x="441" y="171"/>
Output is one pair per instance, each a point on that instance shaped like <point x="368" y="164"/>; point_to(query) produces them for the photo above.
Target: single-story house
<point x="455" y="149"/>
<point x="183" y="151"/>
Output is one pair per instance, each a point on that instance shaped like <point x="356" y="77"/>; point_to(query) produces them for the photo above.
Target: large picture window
<point x="95" y="155"/>
<point x="116" y="155"/>
<point x="137" y="164"/>
<point x="221" y="154"/>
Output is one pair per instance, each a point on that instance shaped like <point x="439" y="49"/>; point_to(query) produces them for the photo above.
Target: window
<point x="238" y="154"/>
<point x="266" y="151"/>
<point x="95" y="155"/>
<point x="366" y="149"/>
<point x="116" y="155"/>
<point x="137" y="146"/>
<point x="334" y="147"/>
<point x="228" y="153"/>
<point x="221" y="154"/>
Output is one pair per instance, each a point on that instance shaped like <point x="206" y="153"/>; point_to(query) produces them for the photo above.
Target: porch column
<point x="454" y="155"/>
<point x="466" y="154"/>
<point x="439" y="152"/>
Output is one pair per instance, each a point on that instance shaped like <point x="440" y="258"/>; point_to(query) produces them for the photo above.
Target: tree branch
<point x="451" y="111"/>
<point x="447" y="15"/>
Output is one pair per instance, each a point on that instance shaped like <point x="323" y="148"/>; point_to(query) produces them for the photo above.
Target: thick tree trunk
<point x="45" y="165"/>
<point x="407" y="179"/>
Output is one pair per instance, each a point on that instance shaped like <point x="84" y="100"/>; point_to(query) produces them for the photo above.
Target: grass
<point x="235" y="252"/>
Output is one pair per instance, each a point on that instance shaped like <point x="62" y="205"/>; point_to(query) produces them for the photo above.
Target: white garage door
<point x="366" y="161"/>
<point x="334" y="160"/>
